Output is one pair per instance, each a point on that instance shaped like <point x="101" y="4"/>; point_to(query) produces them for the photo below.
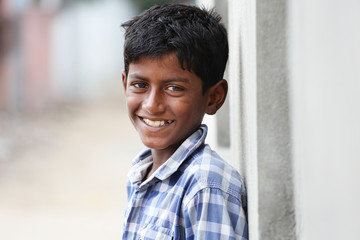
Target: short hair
<point x="195" y="35"/>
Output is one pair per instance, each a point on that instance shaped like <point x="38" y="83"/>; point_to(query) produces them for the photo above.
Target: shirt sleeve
<point x="215" y="215"/>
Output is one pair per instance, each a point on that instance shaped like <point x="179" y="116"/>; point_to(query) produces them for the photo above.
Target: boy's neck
<point x="159" y="158"/>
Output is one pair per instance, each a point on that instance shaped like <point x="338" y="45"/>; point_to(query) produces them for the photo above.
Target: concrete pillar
<point x="275" y="172"/>
<point x="260" y="125"/>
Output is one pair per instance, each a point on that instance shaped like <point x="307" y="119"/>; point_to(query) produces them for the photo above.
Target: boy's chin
<point x="161" y="146"/>
<point x="154" y="146"/>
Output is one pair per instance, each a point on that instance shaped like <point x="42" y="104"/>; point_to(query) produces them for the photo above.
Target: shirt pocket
<point x="152" y="232"/>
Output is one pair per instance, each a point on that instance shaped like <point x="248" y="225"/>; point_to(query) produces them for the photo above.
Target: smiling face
<point x="165" y="103"/>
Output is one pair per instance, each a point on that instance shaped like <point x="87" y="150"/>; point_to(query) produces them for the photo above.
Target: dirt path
<point x="67" y="180"/>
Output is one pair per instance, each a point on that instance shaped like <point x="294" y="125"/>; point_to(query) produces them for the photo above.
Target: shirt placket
<point x="134" y="206"/>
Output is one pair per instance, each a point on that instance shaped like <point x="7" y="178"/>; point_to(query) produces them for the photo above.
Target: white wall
<point x="325" y="87"/>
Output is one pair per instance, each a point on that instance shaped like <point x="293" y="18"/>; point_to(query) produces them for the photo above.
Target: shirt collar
<point x="142" y="162"/>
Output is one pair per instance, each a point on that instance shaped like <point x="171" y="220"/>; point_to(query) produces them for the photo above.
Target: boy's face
<point x="165" y="103"/>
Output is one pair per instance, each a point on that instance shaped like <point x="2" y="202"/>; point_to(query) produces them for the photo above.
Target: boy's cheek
<point x="132" y="102"/>
<point x="132" y="98"/>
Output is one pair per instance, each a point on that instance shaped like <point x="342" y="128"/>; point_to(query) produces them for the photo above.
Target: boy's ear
<point x="216" y="97"/>
<point x="123" y="75"/>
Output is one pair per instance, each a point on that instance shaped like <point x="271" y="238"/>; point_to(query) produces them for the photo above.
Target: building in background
<point x="25" y="77"/>
<point x="59" y="51"/>
<point x="6" y="43"/>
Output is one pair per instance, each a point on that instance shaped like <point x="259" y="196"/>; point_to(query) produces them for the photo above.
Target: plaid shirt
<point x="193" y="195"/>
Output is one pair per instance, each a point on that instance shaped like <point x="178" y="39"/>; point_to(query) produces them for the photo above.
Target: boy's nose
<point x="154" y="104"/>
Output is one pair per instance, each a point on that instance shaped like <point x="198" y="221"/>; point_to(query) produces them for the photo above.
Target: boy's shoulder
<point x="207" y="170"/>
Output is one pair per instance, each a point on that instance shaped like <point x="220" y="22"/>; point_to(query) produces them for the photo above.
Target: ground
<point x="63" y="172"/>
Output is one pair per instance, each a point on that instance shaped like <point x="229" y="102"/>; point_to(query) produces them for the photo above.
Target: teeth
<point x="156" y="123"/>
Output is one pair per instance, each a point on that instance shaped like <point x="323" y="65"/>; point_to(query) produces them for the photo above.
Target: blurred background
<point x="66" y="143"/>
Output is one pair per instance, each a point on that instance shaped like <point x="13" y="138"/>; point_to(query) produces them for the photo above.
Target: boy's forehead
<point x="167" y="62"/>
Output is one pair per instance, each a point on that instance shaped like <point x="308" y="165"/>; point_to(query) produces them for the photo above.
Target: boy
<point x="178" y="188"/>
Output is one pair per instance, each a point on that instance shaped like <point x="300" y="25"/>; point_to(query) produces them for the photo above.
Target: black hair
<point x="195" y="35"/>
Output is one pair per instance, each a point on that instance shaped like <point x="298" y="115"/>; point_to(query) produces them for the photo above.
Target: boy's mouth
<point x="158" y="123"/>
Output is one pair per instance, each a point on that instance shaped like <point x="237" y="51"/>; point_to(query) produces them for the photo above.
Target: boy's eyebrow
<point x="175" y="79"/>
<point x="135" y="75"/>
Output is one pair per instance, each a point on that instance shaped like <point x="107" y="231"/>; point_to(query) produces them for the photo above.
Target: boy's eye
<point x="138" y="85"/>
<point x="173" y="88"/>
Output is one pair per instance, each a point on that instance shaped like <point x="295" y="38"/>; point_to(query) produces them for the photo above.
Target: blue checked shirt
<point x="193" y="195"/>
